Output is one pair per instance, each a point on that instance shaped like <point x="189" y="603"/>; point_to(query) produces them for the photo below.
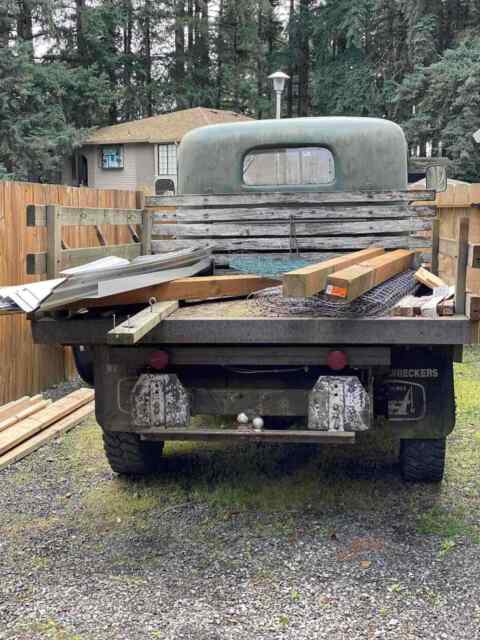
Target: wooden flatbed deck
<point x="238" y="322"/>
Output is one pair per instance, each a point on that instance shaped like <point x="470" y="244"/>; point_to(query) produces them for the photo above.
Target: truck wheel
<point x="423" y="460"/>
<point x="127" y="454"/>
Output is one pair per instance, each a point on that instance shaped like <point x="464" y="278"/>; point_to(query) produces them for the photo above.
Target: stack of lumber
<point x="349" y="276"/>
<point x="28" y="423"/>
<point x="439" y="303"/>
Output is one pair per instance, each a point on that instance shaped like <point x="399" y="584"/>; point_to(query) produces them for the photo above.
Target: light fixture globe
<point x="278" y="78"/>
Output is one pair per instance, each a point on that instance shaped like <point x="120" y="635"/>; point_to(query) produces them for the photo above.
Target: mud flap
<point x="417" y="399"/>
<point x="339" y="403"/>
<point x="160" y="401"/>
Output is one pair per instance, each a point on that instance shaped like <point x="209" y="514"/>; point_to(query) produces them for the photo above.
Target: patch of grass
<point x="50" y="630"/>
<point x="83" y="449"/>
<point x="282" y="480"/>
<point x="448" y="524"/>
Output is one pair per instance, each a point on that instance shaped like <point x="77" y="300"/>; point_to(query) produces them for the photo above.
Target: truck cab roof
<point x="295" y="154"/>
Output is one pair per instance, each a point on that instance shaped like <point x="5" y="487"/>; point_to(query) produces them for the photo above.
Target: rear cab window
<point x="289" y="166"/>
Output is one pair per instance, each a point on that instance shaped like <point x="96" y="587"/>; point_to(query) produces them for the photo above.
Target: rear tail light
<point x="159" y="360"/>
<point x="337" y="360"/>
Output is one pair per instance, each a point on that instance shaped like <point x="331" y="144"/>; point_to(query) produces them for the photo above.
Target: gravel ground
<point x="243" y="542"/>
<point x="63" y="388"/>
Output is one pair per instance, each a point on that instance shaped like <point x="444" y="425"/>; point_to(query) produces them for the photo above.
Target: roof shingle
<point x="166" y="127"/>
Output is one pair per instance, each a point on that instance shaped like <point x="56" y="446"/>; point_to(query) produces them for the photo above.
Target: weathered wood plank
<point x="307" y="281"/>
<point x="260" y="229"/>
<point x="268" y="244"/>
<point x="44" y="418"/>
<point x="76" y="257"/>
<point x="254" y="199"/>
<point x="194" y="288"/>
<point x="350" y="283"/>
<point x="37" y="216"/>
<point x="12" y="408"/>
<point x="49" y="433"/>
<point x="34" y="407"/>
<point x="429" y="279"/>
<point x="264" y="214"/>
<point x="134" y="328"/>
<point x="462" y="264"/>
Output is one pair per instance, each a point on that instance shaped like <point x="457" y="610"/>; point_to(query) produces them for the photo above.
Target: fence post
<point x="54" y="241"/>
<point x="435" y="245"/>
<point x="146" y="223"/>
<point x="462" y="264"/>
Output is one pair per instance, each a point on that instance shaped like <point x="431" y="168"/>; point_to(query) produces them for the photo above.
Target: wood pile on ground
<point x="28" y="423"/>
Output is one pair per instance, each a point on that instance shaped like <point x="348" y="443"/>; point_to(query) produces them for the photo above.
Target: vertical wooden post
<point x="146" y="223"/>
<point x="54" y="241"/>
<point x="435" y="245"/>
<point x="462" y="264"/>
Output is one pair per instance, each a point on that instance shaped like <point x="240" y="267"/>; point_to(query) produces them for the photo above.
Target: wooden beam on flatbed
<point x="133" y="329"/>
<point x="350" y="283"/>
<point x="194" y="288"/>
<point x="429" y="279"/>
<point x="307" y="281"/>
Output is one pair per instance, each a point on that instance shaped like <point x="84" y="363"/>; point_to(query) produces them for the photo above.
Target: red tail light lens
<point x="337" y="360"/>
<point x="158" y="360"/>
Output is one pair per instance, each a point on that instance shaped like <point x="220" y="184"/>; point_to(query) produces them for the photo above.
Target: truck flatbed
<point x="240" y="322"/>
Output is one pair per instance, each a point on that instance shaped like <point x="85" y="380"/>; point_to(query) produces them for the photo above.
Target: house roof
<point x="167" y="127"/>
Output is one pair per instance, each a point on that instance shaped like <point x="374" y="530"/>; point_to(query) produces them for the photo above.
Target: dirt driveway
<point x="243" y="542"/>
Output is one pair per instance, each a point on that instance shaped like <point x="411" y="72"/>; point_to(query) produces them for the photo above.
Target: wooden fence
<point x="460" y="201"/>
<point x="26" y="368"/>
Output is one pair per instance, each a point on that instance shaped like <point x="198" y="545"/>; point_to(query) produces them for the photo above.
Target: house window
<point x="167" y="159"/>
<point x="289" y="166"/>
<point x="111" y="157"/>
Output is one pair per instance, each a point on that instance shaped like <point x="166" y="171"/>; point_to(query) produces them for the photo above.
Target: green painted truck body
<point x="369" y="153"/>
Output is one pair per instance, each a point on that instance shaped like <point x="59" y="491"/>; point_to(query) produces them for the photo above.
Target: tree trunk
<point x="304" y="59"/>
<point x="179" y="66"/>
<point x="291" y="65"/>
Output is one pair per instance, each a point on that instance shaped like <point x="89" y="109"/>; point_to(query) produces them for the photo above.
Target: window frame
<point x="170" y="158"/>
<point x="286" y="148"/>
<point x="121" y="149"/>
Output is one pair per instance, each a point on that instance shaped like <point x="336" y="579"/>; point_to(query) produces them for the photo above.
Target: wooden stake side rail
<point x="255" y="199"/>
<point x="303" y="223"/>
<point x="261" y="228"/>
<point x="302" y="213"/>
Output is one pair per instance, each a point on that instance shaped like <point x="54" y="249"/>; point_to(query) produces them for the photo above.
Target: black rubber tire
<point x="129" y="455"/>
<point x="423" y="460"/>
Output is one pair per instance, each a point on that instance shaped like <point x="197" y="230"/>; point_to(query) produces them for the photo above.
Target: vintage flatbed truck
<point x="317" y="186"/>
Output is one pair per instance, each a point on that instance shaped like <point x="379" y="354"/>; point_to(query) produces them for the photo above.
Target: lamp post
<point x="278" y="78"/>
